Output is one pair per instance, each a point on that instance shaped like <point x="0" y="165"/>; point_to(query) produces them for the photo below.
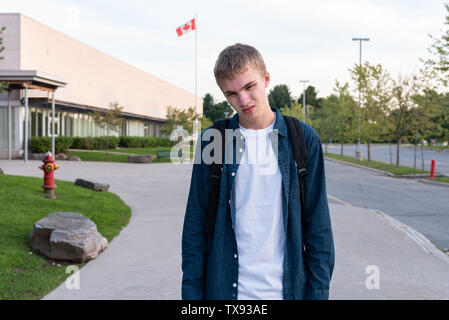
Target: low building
<point x="82" y="80"/>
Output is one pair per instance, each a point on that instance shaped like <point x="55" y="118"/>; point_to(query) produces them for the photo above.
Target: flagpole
<point x="196" y="63"/>
<point x="195" y="122"/>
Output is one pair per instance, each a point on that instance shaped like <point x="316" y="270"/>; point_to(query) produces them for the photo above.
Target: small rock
<point x="141" y="158"/>
<point x="74" y="158"/>
<point x="1" y="171"/>
<point x="91" y="185"/>
<point x="61" y="156"/>
<point x="37" y="156"/>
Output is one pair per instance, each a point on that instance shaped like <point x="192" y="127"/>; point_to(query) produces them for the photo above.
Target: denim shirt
<point x="210" y="265"/>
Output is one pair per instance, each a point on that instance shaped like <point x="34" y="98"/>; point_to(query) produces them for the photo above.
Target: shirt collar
<point x="279" y="125"/>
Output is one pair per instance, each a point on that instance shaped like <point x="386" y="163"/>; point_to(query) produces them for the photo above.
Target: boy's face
<point x="246" y="94"/>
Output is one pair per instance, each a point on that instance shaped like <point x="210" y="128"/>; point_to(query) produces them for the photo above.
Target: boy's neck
<point x="262" y="122"/>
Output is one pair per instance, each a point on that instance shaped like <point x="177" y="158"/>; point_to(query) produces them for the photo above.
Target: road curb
<point x="416" y="236"/>
<point x="435" y="183"/>
<point x="358" y="166"/>
<point x="389" y="174"/>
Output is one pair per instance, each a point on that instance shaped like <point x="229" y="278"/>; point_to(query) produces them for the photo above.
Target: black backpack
<point x="299" y="153"/>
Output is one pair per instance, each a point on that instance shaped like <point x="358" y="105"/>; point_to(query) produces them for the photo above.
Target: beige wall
<point x="11" y="42"/>
<point x="94" y="78"/>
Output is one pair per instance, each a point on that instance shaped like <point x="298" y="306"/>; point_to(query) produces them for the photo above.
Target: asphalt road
<point x="406" y="155"/>
<point x="422" y="206"/>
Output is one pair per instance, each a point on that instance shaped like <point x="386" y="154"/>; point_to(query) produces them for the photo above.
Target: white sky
<point x="299" y="40"/>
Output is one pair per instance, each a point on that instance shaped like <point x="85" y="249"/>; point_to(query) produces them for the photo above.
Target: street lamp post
<point x="304" y="100"/>
<point x="358" y="152"/>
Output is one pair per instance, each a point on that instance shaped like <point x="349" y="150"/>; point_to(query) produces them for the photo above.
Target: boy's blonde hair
<point x="236" y="59"/>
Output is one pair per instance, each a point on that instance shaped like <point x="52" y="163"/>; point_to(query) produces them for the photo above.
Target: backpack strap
<point x="214" y="176"/>
<point x="299" y="154"/>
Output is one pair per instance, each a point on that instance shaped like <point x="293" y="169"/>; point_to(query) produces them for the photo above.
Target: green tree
<point x="1" y="40"/>
<point x="208" y="104"/>
<point x="405" y="88"/>
<point x="280" y="96"/>
<point x="311" y="98"/>
<point x="185" y="118"/>
<point x="213" y="110"/>
<point x="373" y="84"/>
<point x="344" y="113"/>
<point x="438" y="66"/>
<point x="432" y="115"/>
<point x="3" y="86"/>
<point x="295" y="110"/>
<point x="111" y="120"/>
<point x="324" y="121"/>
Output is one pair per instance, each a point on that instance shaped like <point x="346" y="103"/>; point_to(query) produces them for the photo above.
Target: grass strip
<point x="398" y="170"/>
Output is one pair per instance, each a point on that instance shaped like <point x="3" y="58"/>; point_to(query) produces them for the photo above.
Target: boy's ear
<point x="267" y="79"/>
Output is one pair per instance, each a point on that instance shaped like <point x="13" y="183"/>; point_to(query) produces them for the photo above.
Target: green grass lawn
<point x="441" y="179"/>
<point x="118" y="155"/>
<point x="28" y="276"/>
<point x="376" y="165"/>
<point x="99" y="156"/>
<point x="151" y="150"/>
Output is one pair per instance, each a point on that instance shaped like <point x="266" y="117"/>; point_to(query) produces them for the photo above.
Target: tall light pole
<point x="358" y="153"/>
<point x="304" y="100"/>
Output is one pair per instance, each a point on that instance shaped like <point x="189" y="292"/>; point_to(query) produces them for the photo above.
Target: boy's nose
<point x="243" y="99"/>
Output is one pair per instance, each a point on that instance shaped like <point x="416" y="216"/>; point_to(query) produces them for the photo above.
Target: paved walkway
<point x="144" y="261"/>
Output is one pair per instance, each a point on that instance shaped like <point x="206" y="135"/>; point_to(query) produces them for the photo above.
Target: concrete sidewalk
<point x="144" y="261"/>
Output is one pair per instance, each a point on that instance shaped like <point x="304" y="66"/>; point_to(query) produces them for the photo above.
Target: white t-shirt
<point x="259" y="227"/>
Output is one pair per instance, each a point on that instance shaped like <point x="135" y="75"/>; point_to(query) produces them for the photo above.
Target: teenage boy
<point x="260" y="247"/>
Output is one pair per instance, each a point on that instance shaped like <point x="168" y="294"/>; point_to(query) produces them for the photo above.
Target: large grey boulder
<point x="74" y="158"/>
<point x="67" y="236"/>
<point x="97" y="186"/>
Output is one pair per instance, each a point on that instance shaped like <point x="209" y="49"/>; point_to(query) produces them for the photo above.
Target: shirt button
<point x="233" y="174"/>
<point x="234" y="285"/>
<point x="241" y="150"/>
<point x="235" y="256"/>
<point x="241" y="137"/>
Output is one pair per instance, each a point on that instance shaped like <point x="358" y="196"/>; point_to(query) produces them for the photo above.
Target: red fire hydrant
<point x="49" y="168"/>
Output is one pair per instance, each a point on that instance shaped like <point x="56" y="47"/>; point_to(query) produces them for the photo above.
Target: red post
<point x="432" y="170"/>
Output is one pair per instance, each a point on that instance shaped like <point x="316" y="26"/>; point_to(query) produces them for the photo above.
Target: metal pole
<point x="53" y="124"/>
<point x="196" y="124"/>
<point x="358" y="152"/>
<point x="25" y="138"/>
<point x="422" y="155"/>
<point x="196" y="63"/>
<point x="9" y="125"/>
<point x="414" y="159"/>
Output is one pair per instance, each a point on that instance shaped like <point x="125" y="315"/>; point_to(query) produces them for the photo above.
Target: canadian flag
<point x="186" y="27"/>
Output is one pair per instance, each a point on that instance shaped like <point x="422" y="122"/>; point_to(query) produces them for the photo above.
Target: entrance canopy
<point x="30" y="79"/>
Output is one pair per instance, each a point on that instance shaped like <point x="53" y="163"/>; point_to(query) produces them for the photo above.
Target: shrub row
<point x="95" y="143"/>
<point x="145" y="142"/>
<point x="62" y="144"/>
<point x="43" y="144"/>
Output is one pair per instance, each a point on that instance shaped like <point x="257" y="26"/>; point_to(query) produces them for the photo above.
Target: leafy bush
<point x="144" y="142"/>
<point x="43" y="144"/>
<point x="62" y="144"/>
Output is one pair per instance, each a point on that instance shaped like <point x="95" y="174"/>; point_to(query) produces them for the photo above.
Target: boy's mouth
<point x="249" y="109"/>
